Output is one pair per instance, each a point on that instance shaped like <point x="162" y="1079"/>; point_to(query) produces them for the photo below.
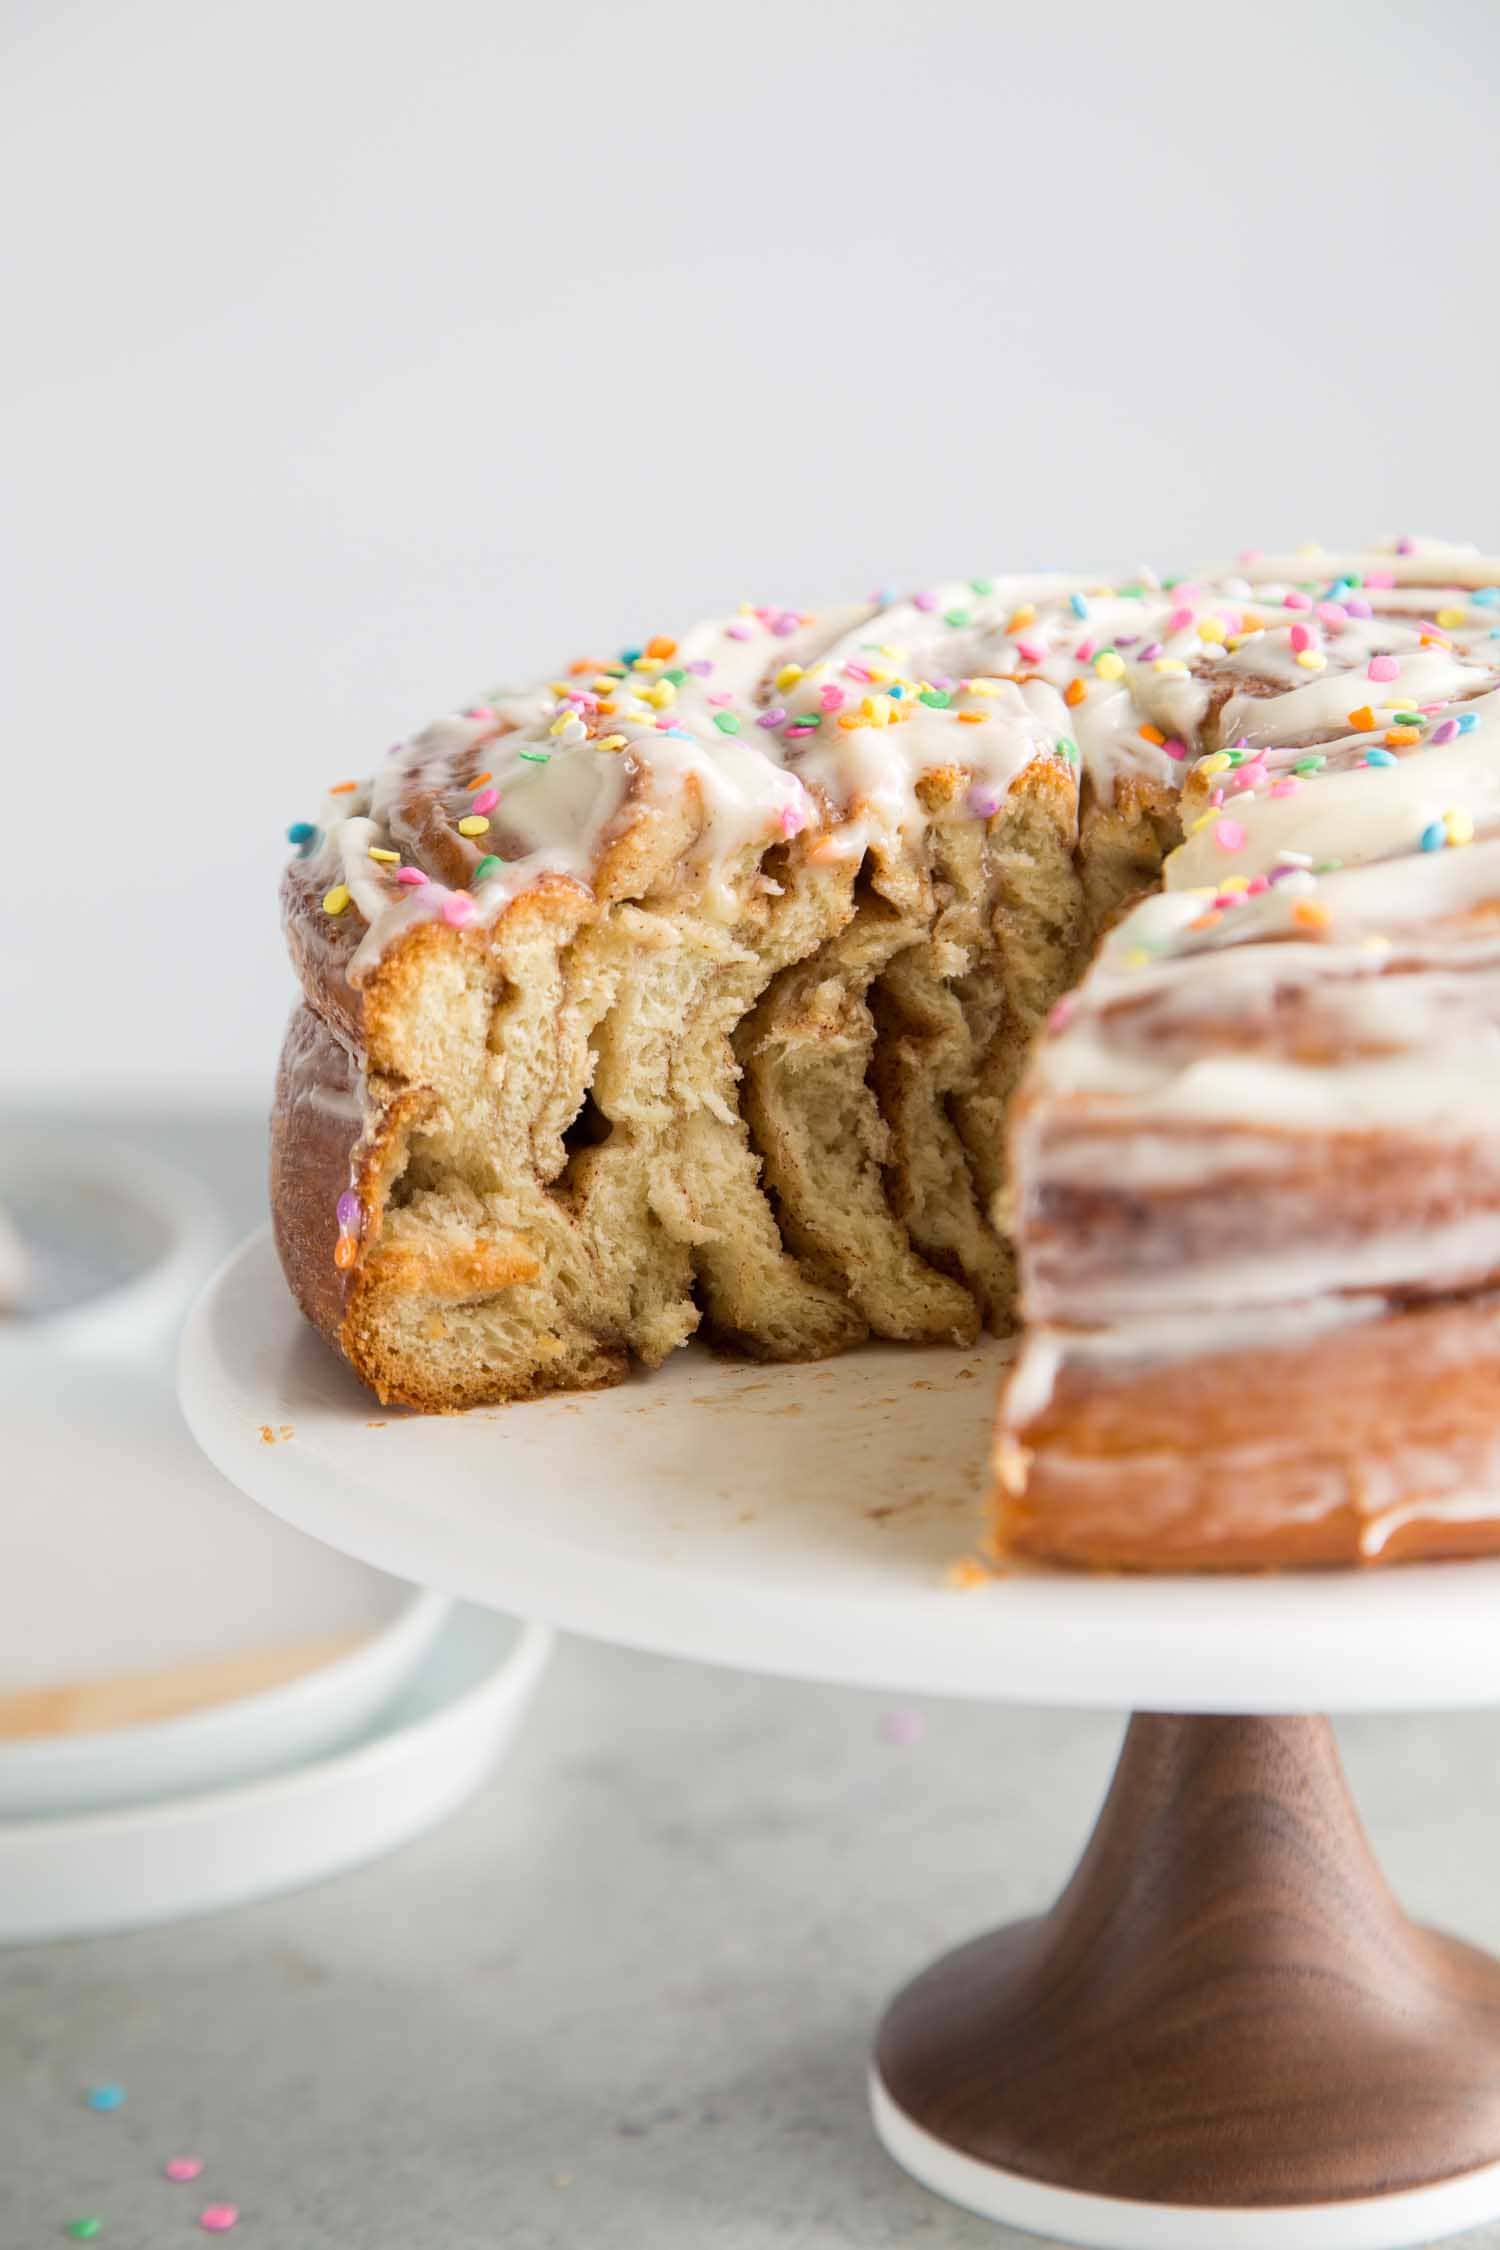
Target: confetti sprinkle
<point x="218" y="2218"/>
<point x="726" y="722"/>
<point x="1229" y="835"/>
<point x="105" y="2098"/>
<point x="83" y="2230"/>
<point x="303" y="833"/>
<point x="458" y="909"/>
<point x="488" y="866"/>
<point x="1383" y="668"/>
<point x="473" y="824"/>
<point x="335" y="901"/>
<point x="183" y="2167"/>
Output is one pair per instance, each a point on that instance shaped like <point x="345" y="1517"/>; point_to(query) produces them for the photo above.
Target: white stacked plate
<point x="198" y="1705"/>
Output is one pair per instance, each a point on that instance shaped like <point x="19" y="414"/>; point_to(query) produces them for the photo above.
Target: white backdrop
<point x="358" y="356"/>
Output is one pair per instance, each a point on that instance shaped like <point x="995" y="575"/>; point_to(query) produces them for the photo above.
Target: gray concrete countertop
<point x="623" y="2000"/>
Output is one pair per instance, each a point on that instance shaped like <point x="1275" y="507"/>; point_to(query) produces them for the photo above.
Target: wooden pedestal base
<point x="1225" y="2033"/>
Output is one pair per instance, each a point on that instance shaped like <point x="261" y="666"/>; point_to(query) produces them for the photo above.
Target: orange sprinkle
<point x="1074" y="693"/>
<point x="1402" y="738"/>
<point x="345" y="1251"/>
<point x="478" y="782"/>
<point x="1311" y="914"/>
<point x="1363" y="719"/>
<point x="660" y="644"/>
<point x="580" y="665"/>
<point x="343" y="788"/>
<point x="967" y="1574"/>
<point x="965" y="718"/>
<point x="1207" y="921"/>
<point x="1152" y="734"/>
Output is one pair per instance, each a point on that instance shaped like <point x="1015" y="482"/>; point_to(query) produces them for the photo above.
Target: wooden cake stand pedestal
<point x="1225" y="2034"/>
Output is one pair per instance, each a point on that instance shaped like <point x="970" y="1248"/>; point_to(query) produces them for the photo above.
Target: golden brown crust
<point x="1347" y="1448"/>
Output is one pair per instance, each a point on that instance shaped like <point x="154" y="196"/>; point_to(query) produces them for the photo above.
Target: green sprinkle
<point x="1235" y="757"/>
<point x="535" y="757"/>
<point x="726" y="722"/>
<point x="982" y="585"/>
<point x="955" y="617"/>
<point x="1069" y="749"/>
<point x="84" y="2230"/>
<point x="487" y="866"/>
<point x="675" y="674"/>
<point x="1328" y="866"/>
<point x="1408" y="718"/>
<point x="1309" y="765"/>
<point x="935" y="698"/>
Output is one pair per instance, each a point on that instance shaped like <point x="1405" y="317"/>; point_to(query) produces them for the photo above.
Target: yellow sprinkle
<point x="788" y="677"/>
<point x="982" y="687"/>
<point x="560" y="687"/>
<point x="387" y="859"/>
<point x="1460" y="826"/>
<point x="1212" y="629"/>
<point x="1170" y="664"/>
<point x="561" y="726"/>
<point x="1202" y="821"/>
<point x="1218" y="762"/>
<point x="647" y="664"/>
<point x="1235" y="883"/>
<point x="1311" y="659"/>
<point x="605" y="683"/>
<point x="473" y="824"/>
<point x="1108" y="665"/>
<point x="876" y="713"/>
<point x="1451" y="617"/>
<point x="661" y="696"/>
<point x="337" y="899"/>
<point x="611" y="742"/>
<point x="1136" y="958"/>
<point x="1020" y="618"/>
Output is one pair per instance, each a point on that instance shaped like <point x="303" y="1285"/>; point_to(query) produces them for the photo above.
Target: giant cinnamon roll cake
<point x="1120" y="962"/>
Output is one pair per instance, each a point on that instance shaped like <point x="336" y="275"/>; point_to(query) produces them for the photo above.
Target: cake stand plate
<point x="1225" y="2032"/>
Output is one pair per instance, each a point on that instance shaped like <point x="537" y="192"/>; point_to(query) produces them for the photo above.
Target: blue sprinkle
<point x="1380" y="757"/>
<point x="1434" y="836"/>
<point x="680" y="734"/>
<point x="105" y="2097"/>
<point x="629" y="655"/>
<point x="1469" y="720"/>
<point x="895" y="693"/>
<point x="1078" y="605"/>
<point x="1488" y="597"/>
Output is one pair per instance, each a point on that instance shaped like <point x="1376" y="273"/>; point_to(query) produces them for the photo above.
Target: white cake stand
<point x="1225" y="2032"/>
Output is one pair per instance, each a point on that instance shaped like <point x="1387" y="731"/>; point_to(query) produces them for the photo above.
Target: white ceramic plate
<point x="125" y="1554"/>
<point x="113" y="1243"/>
<point x="192" y="1855"/>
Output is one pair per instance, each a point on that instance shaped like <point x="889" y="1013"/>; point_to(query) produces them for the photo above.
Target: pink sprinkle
<point x="902" y="1728"/>
<point x="1381" y="580"/>
<point x="485" y="801"/>
<point x="700" y="667"/>
<point x="1257" y="884"/>
<point x="793" y="820"/>
<point x="1286" y="788"/>
<point x="1332" y="613"/>
<point x="1084" y="650"/>
<point x="831" y="698"/>
<point x="739" y="630"/>
<point x="1251" y="554"/>
<point x="1062" y="1012"/>
<point x="1229" y="834"/>
<point x="1151" y="652"/>
<point x="853" y="671"/>
<point x="772" y="718"/>
<point x="1030" y="652"/>
<point x="479" y="711"/>
<point x="1406" y="546"/>
<point x="924" y="601"/>
<point x="218" y="2218"/>
<point x="1447" y="732"/>
<point x="183" y="2167"/>
<point x="1300" y="638"/>
<point x="458" y="908"/>
<point x="1179" y="621"/>
<point x="1296" y="600"/>
<point x="720" y="697"/>
<point x="1357" y="606"/>
<point x="412" y="877"/>
<point x="1248" y="777"/>
<point x="1175" y="749"/>
<point x="1384" y="668"/>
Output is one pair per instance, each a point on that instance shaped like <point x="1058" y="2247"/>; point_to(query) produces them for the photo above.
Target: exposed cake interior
<point x="692" y="991"/>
